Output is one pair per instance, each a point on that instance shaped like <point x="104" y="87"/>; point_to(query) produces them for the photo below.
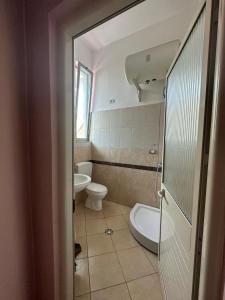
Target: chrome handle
<point x="161" y="193"/>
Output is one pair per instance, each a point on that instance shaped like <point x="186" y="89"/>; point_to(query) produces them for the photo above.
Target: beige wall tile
<point x="81" y="197"/>
<point x="82" y="151"/>
<point x="129" y="133"/>
<point x="127" y="186"/>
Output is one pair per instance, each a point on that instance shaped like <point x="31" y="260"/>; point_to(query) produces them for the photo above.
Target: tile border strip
<point x="129" y="166"/>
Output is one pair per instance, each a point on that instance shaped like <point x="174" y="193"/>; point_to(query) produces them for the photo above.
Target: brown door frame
<point x="213" y="250"/>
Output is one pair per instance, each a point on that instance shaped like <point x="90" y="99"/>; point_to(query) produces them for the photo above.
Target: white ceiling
<point x="146" y="14"/>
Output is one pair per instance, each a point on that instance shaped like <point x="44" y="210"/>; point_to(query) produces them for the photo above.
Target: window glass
<point x="83" y="78"/>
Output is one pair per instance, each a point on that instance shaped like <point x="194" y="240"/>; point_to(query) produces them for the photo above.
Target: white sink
<point x="80" y="182"/>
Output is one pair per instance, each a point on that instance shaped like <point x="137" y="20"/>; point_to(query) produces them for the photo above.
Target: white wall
<point x="83" y="53"/>
<point x="108" y="64"/>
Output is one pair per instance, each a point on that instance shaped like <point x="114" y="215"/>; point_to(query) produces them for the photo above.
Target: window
<point x="83" y="88"/>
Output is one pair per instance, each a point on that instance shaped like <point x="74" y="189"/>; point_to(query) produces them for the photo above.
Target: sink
<point x="80" y="182"/>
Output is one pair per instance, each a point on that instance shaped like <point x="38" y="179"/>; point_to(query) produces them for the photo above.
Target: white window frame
<point x="77" y="67"/>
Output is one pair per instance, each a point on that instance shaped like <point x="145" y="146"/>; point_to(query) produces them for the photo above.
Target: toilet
<point x="96" y="192"/>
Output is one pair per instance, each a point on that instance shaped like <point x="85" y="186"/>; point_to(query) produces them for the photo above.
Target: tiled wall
<point x="125" y="136"/>
<point x="82" y="152"/>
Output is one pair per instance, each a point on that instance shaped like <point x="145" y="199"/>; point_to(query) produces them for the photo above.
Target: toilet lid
<point x="95" y="187"/>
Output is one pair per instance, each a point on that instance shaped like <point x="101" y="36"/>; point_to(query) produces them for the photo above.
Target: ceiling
<point x="146" y="14"/>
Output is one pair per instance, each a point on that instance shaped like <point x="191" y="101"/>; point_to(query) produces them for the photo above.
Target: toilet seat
<point x="96" y="188"/>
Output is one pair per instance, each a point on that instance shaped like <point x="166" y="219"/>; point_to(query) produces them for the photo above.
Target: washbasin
<point x="80" y="182"/>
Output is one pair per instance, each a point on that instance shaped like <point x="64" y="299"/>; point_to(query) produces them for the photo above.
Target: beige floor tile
<point x="82" y="240"/>
<point x="145" y="288"/>
<point x="134" y="263"/>
<point x="105" y="271"/>
<point x="79" y="209"/>
<point x="123" y="239"/>
<point x="153" y="258"/>
<point x="116" y="222"/>
<point x="126" y="218"/>
<point x="93" y="214"/>
<point x="79" y="226"/>
<point x="82" y="285"/>
<point x="95" y="226"/>
<point x="125" y="209"/>
<point x="118" y="292"/>
<point x="84" y="297"/>
<point x="111" y="209"/>
<point x="99" y="244"/>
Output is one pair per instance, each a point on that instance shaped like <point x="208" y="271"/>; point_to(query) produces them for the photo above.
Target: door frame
<point x="212" y="279"/>
<point x="72" y="18"/>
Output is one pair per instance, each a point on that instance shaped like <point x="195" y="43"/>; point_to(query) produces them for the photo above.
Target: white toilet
<point x="96" y="192"/>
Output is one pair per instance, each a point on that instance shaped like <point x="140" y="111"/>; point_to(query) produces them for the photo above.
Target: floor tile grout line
<point x="155" y="273"/>
<point x="128" y="291"/>
<point x="89" y="278"/>
<point x="138" y="246"/>
<point x="153" y="265"/>
<point x="119" y="263"/>
<point x="108" y="287"/>
<point x="101" y="254"/>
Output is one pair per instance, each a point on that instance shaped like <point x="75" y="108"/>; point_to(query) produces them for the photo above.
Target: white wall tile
<point x="126" y="138"/>
<point x="114" y="137"/>
<point x="115" y="118"/>
<point x="134" y="127"/>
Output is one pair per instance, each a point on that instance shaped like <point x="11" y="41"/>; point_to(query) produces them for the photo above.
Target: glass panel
<point x="83" y="102"/>
<point x="182" y="112"/>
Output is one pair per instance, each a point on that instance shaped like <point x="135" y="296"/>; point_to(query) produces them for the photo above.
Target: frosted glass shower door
<point x="184" y="117"/>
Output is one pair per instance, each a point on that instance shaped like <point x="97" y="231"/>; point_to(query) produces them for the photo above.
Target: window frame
<point x="78" y="65"/>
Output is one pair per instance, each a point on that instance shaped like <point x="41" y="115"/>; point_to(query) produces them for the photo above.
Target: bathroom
<point x="119" y="106"/>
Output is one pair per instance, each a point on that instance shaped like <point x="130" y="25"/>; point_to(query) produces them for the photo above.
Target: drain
<point x="109" y="231"/>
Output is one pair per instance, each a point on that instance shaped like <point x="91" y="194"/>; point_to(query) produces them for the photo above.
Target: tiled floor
<point x="112" y="267"/>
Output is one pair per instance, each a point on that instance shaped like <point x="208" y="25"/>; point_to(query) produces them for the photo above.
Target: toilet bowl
<point x="96" y="192"/>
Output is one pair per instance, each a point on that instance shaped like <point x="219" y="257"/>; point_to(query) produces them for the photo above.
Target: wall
<point x="41" y="146"/>
<point x="16" y="276"/>
<point x="83" y="53"/>
<point x="109" y="63"/>
<point x="82" y="152"/>
<point x="125" y="136"/>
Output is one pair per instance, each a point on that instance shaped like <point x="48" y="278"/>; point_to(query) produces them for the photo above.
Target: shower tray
<point x="145" y="225"/>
